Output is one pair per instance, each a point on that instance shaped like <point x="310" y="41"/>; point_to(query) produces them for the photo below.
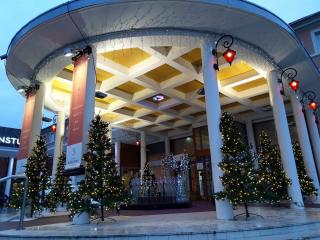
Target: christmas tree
<point x="102" y="182"/>
<point x="307" y="187"/>
<point x="239" y="175"/>
<point x="80" y="201"/>
<point x="272" y="180"/>
<point x="37" y="173"/>
<point x="61" y="188"/>
<point x="15" y="200"/>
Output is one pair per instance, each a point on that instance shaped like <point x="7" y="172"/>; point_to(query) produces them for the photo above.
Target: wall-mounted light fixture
<point x="290" y="74"/>
<point x="309" y="98"/>
<point x="228" y="54"/>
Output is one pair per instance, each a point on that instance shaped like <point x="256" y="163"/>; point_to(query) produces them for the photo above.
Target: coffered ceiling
<point x="132" y="77"/>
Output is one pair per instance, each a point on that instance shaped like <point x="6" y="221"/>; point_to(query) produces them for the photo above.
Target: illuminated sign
<point x="9" y="137"/>
<point x="9" y="140"/>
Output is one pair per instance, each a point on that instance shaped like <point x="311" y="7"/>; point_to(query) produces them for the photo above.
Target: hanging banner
<point x="25" y="134"/>
<point x="77" y="110"/>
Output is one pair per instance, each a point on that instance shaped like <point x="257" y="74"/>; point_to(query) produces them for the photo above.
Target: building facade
<point x="154" y="73"/>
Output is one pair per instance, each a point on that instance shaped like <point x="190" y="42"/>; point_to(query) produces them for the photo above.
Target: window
<point x="315" y="35"/>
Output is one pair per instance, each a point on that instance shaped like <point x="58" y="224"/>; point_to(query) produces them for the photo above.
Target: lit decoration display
<point x="180" y="164"/>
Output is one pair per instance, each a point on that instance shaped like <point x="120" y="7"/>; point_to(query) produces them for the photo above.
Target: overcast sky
<point x="15" y="13"/>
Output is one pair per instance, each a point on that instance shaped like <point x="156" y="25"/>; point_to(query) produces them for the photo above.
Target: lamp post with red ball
<point x="229" y="54"/>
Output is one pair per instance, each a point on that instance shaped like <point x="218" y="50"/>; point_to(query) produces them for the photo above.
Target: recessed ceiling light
<point x="158" y="98"/>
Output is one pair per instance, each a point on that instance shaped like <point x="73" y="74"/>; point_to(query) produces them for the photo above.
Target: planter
<point x="81" y="218"/>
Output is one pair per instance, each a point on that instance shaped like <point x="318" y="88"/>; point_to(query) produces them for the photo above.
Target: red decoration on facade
<point x="53" y="128"/>
<point x="229" y="55"/>
<point x="294" y="85"/>
<point x="313" y="105"/>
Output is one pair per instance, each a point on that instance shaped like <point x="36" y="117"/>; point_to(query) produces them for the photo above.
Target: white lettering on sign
<point x="9" y="140"/>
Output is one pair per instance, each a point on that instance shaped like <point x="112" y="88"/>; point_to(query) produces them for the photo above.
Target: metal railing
<point x="23" y="207"/>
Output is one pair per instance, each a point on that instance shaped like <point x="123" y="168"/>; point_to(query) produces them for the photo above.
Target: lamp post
<point x="228" y="54"/>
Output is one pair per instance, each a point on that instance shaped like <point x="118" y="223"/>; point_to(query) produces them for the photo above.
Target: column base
<point x="297" y="206"/>
<point x="223" y="210"/>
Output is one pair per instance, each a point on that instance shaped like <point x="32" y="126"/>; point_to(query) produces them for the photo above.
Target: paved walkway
<point x="277" y="223"/>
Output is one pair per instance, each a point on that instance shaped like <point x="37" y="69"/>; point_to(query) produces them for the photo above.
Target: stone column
<point x="82" y="107"/>
<point x="250" y="135"/>
<point x="58" y="143"/>
<point x="9" y="173"/>
<point x="37" y="116"/>
<point x="117" y="148"/>
<point x="143" y="153"/>
<point x="31" y="127"/>
<point x="167" y="145"/>
<point x="305" y="143"/>
<point x="213" y="108"/>
<point x="314" y="137"/>
<point x="284" y="139"/>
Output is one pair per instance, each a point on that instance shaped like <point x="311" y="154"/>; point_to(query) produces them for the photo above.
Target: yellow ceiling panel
<point x="180" y="107"/>
<point x="194" y="57"/>
<point x="198" y="114"/>
<point x="127" y="57"/>
<point x="130" y="122"/>
<point x="234" y="70"/>
<point x="162" y="73"/>
<point x="102" y="75"/>
<point x="202" y="99"/>
<point x="110" y="117"/>
<point x="259" y="97"/>
<point x="130" y="87"/>
<point x="248" y="85"/>
<point x="62" y="85"/>
<point x="230" y="105"/>
<point x="132" y="107"/>
<point x="106" y="100"/>
<point x="189" y="86"/>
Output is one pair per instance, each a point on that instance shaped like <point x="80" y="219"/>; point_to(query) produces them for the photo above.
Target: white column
<point x="305" y="143"/>
<point x="143" y="153"/>
<point x="213" y="108"/>
<point x="58" y="143"/>
<point x="314" y="137"/>
<point x="284" y="139"/>
<point x="166" y="145"/>
<point x="9" y="173"/>
<point x="37" y="117"/>
<point x="250" y="135"/>
<point x="117" y="148"/>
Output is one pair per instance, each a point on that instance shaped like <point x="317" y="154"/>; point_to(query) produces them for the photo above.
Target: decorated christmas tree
<point x="15" y="200"/>
<point x="239" y="176"/>
<point x="61" y="189"/>
<point x="102" y="182"/>
<point x="80" y="201"/>
<point x="37" y="173"/>
<point x="272" y="180"/>
<point x="305" y="181"/>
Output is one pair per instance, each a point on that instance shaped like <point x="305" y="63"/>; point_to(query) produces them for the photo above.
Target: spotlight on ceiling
<point x="100" y="94"/>
<point x="68" y="52"/>
<point x="21" y="89"/>
<point x="201" y="91"/>
<point x="158" y="98"/>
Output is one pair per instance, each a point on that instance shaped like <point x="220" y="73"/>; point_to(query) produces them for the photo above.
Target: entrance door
<point x="204" y="177"/>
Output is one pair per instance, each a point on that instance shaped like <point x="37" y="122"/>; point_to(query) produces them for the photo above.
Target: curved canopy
<point x="54" y="30"/>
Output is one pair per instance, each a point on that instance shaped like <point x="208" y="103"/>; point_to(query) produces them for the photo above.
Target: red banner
<point x="76" y="120"/>
<point x="25" y="133"/>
